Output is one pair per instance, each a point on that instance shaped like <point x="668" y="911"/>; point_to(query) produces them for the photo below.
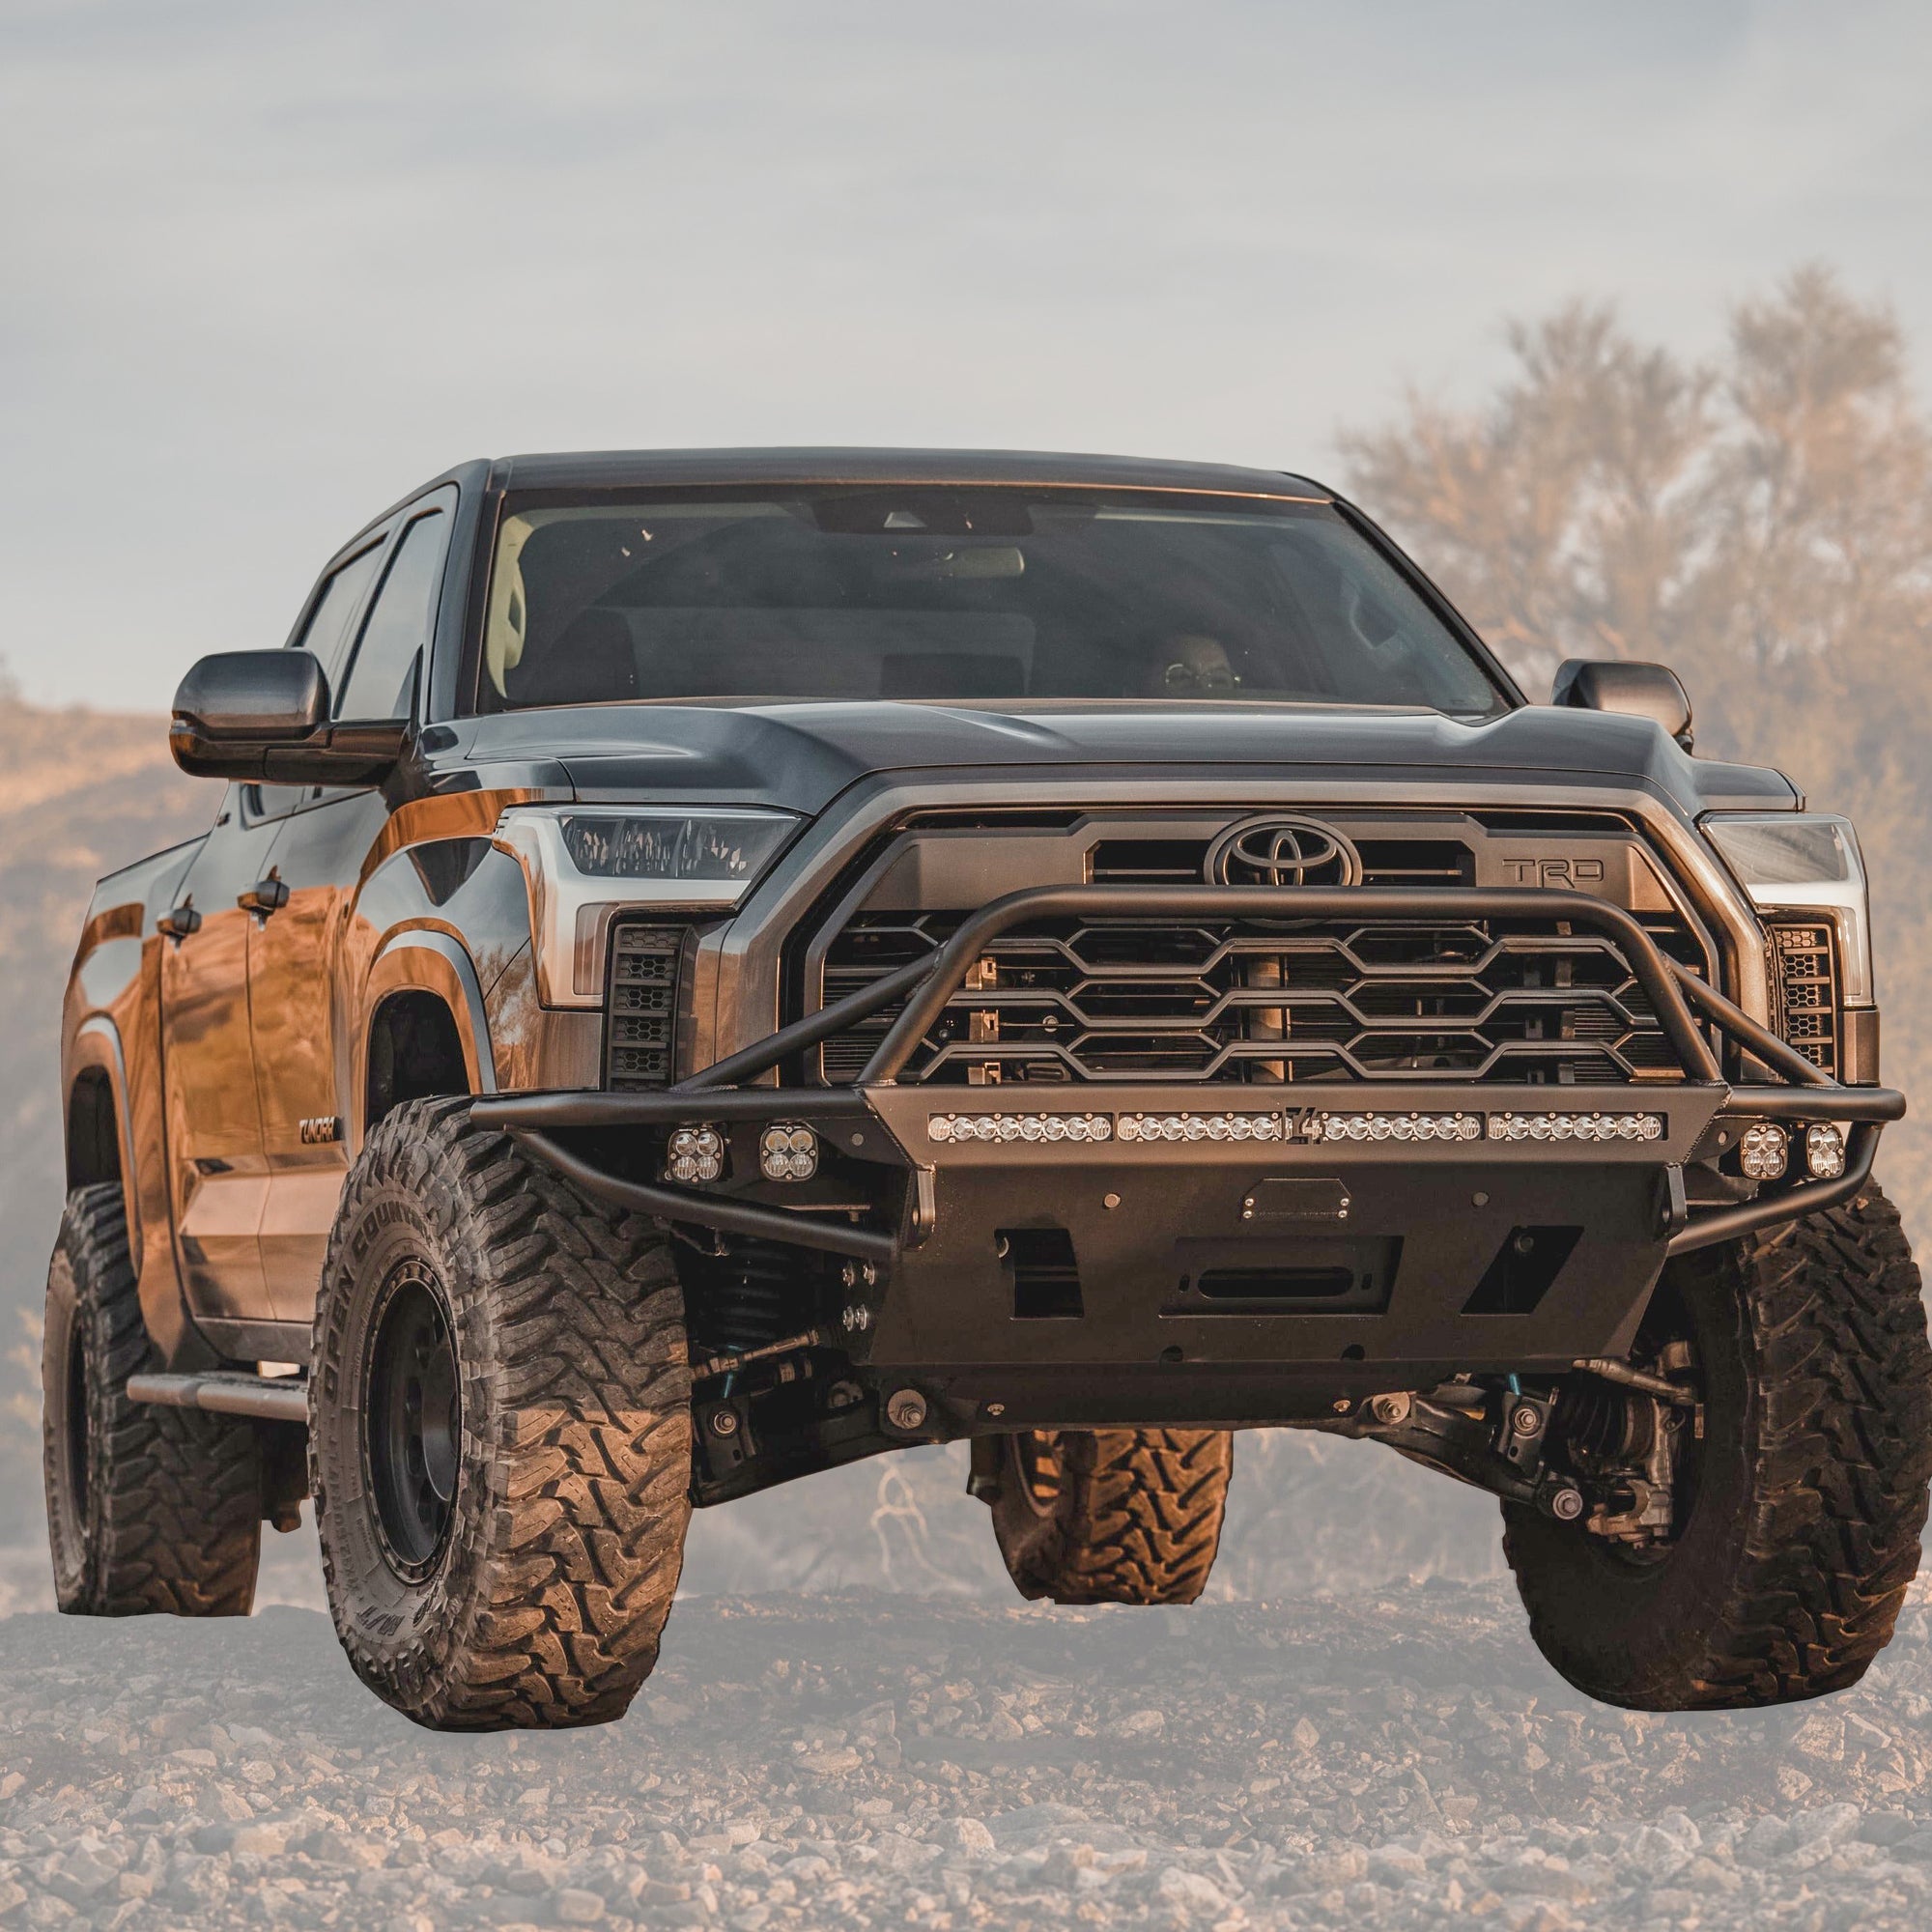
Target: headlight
<point x="583" y="862"/>
<point x="1802" y="861"/>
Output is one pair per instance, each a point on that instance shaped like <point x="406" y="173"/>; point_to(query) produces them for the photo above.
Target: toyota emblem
<point x="1283" y="852"/>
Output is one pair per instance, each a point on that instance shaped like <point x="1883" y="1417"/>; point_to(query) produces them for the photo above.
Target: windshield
<point x="968" y="595"/>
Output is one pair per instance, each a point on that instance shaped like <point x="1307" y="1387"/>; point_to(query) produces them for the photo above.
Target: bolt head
<point x="905" y="1408"/>
<point x="1110" y="1200"/>
<point x="996" y="1408"/>
<point x="1566" y="1505"/>
<point x="724" y="1422"/>
<point x="1525" y="1421"/>
<point x="1342" y="1405"/>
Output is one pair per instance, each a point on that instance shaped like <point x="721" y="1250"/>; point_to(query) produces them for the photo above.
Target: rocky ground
<point x="863" y="1759"/>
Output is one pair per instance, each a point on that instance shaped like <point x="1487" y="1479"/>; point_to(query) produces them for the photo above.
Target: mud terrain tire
<point x="149" y="1508"/>
<point x="1810" y="1484"/>
<point x="499" y="1431"/>
<point x="1112" y="1516"/>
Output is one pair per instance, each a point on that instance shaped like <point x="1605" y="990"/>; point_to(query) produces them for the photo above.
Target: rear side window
<point x="382" y="675"/>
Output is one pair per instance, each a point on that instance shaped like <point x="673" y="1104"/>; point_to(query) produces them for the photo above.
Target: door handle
<point x="265" y="896"/>
<point x="178" y="921"/>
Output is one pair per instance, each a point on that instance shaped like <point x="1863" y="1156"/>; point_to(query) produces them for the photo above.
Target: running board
<point x="263" y="1398"/>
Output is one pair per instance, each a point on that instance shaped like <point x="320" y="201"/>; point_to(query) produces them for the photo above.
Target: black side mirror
<point x="1650" y="691"/>
<point x="263" y="715"/>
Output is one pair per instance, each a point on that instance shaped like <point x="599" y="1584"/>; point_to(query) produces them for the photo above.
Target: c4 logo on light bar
<point x="1283" y="851"/>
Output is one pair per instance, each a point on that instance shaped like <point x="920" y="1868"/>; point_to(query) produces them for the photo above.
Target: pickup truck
<point x="708" y="966"/>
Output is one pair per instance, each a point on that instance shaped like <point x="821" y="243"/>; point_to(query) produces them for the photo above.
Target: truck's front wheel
<point x="499" y="1432"/>
<point x="1798" y="1514"/>
<point x="1111" y="1516"/>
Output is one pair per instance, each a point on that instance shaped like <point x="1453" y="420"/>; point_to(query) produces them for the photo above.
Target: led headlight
<point x="582" y="863"/>
<point x="1807" y="861"/>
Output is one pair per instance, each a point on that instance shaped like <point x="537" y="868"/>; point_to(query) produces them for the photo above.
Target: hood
<point x="800" y="756"/>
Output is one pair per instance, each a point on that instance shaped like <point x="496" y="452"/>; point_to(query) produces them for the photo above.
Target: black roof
<point x="626" y="468"/>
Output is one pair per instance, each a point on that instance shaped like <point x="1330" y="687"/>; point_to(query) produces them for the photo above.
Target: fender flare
<point x="421" y="959"/>
<point x="97" y="1048"/>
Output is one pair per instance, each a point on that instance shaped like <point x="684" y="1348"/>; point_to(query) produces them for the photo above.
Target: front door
<point x="295" y="997"/>
<point x="217" y="1170"/>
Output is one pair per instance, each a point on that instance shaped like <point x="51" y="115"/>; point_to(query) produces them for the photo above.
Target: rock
<point x="1191" y="1889"/>
<point x="575" y="1906"/>
<point x="969" y="1835"/>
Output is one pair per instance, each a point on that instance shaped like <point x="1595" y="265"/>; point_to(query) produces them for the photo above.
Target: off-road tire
<point x="1112" y="1516"/>
<point x="543" y="1603"/>
<point x="1810" y="1484"/>
<point x="150" y="1509"/>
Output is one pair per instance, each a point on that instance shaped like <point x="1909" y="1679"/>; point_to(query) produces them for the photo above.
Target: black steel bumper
<point x="1434" y="1224"/>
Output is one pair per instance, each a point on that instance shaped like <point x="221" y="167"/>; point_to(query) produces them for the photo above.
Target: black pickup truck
<point x="711" y="965"/>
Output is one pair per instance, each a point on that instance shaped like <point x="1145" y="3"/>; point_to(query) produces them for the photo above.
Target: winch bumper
<point x="1047" y="1250"/>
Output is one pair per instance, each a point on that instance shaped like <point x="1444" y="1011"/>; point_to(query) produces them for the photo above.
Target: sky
<point x="263" y="269"/>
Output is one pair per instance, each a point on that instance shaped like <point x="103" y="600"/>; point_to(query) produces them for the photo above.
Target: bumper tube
<point x="718" y="1094"/>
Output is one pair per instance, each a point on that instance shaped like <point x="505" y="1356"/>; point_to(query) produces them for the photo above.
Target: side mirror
<point x="1650" y="691"/>
<point x="263" y="717"/>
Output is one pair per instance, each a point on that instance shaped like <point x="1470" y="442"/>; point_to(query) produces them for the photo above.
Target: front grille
<point x="640" y="1031"/>
<point x="1804" y="989"/>
<point x="1063" y="1002"/>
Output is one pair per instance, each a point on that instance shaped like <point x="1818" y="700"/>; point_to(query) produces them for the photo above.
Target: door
<point x="298" y="973"/>
<point x="217" y="1171"/>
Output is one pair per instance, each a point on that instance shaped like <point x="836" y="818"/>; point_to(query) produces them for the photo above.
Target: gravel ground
<point x="863" y="1758"/>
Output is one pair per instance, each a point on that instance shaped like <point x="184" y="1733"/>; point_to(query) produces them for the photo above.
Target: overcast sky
<point x="263" y="269"/>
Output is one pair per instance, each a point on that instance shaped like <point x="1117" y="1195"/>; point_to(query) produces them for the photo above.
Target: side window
<point x="325" y="635"/>
<point x="326" y="631"/>
<point x="398" y="625"/>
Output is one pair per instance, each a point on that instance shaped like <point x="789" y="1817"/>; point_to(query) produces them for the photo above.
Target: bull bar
<point x="724" y="1092"/>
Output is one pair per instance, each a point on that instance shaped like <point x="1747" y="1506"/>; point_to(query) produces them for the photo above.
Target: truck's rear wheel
<point x="1111" y="1516"/>
<point x="149" y="1508"/>
<point x="1799" y="1522"/>
<point x="499" y="1431"/>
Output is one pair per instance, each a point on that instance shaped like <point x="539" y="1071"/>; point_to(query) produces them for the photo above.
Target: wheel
<point x="499" y="1431"/>
<point x="1111" y="1516"/>
<point x="149" y="1508"/>
<point x="1796" y="1518"/>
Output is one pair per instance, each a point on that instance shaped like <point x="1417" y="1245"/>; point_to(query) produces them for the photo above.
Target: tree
<point x="1762" y="522"/>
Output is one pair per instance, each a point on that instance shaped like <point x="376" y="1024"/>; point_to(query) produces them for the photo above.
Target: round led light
<point x="1763" y="1150"/>
<point x="1825" y="1151"/>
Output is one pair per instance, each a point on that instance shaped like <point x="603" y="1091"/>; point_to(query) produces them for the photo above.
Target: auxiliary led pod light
<point x="1825" y="1151"/>
<point x="696" y="1154"/>
<point x="788" y="1152"/>
<point x="1764" y="1150"/>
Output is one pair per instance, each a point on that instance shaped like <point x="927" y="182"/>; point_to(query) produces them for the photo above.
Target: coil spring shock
<point x="742" y="1297"/>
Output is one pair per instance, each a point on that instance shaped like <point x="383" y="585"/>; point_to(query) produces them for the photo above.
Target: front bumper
<point x="1038" y="1255"/>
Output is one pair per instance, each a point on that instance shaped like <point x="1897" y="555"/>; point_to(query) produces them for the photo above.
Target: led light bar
<point x="1021" y="1127"/>
<point x="1394" y="1128"/>
<point x="1203" y="1128"/>
<point x="1575" y="1126"/>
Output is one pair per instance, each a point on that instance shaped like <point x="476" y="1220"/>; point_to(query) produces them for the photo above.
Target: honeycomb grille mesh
<point x="640" y="1031"/>
<point x="1804" y="985"/>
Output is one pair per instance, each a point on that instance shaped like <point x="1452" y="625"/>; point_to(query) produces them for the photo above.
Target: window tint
<point x="326" y="631"/>
<point x="398" y="625"/>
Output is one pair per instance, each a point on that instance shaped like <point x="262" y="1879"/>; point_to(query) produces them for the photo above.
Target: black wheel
<point x="149" y="1508"/>
<point x="499" y="1431"/>
<point x="1111" y="1516"/>
<point x="1796" y="1519"/>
